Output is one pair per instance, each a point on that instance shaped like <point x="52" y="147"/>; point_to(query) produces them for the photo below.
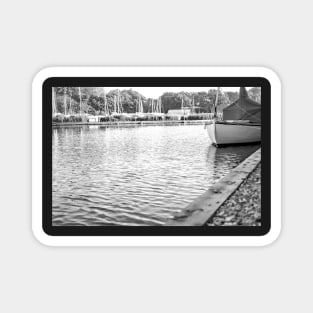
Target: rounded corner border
<point x="44" y="238"/>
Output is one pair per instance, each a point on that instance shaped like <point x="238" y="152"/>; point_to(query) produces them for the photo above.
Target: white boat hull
<point x="228" y="133"/>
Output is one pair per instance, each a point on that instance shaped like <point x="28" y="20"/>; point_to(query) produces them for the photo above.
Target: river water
<point x="133" y="175"/>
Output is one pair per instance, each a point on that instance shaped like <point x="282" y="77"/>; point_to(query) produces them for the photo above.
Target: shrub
<point x="104" y="119"/>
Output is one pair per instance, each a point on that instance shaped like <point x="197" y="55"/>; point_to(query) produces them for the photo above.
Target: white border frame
<point x="45" y="239"/>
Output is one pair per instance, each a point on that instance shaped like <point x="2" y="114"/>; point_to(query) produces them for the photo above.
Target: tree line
<point x="94" y="100"/>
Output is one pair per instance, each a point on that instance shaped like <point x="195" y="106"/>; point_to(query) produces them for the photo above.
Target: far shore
<point x="130" y="123"/>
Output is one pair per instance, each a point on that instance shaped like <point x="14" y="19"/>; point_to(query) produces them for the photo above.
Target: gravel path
<point x="243" y="208"/>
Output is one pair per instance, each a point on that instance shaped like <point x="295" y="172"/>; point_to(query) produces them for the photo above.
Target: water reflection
<point x="133" y="175"/>
<point x="221" y="159"/>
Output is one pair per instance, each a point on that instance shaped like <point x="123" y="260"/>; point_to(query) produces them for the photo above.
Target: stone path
<point x="243" y="208"/>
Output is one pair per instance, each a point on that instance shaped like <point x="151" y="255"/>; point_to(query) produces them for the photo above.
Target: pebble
<point x="243" y="208"/>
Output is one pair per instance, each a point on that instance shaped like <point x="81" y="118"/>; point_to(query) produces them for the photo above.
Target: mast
<point x="64" y="100"/>
<point x="160" y="105"/>
<point x="114" y="104"/>
<point x="105" y="102"/>
<point x="121" y="105"/>
<point x="70" y="102"/>
<point x="243" y="94"/>
<point x="53" y="101"/>
<point x="80" y="101"/>
<point x="193" y="104"/>
<point x="216" y="100"/>
<point x="119" y="102"/>
<point x="140" y="108"/>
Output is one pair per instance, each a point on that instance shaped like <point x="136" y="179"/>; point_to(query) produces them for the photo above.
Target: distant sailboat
<point x="139" y="109"/>
<point x="152" y="104"/>
<point x="184" y="110"/>
<point x="106" y="107"/>
<point x="156" y="108"/>
<point x="241" y="122"/>
<point x="159" y="105"/>
<point x="117" y="105"/>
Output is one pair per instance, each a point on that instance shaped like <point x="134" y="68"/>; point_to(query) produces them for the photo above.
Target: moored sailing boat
<point x="241" y="122"/>
<point x="117" y="105"/>
<point x="139" y="108"/>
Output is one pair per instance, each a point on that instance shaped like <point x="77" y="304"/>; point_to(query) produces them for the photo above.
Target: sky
<point x="155" y="92"/>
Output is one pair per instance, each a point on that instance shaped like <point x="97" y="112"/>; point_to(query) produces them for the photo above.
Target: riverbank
<point x="203" y="208"/>
<point x="131" y="123"/>
<point x="243" y="208"/>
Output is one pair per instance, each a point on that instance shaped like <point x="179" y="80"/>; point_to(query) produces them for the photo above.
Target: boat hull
<point x="230" y="133"/>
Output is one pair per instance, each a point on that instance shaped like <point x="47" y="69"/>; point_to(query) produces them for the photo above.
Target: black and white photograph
<point x="156" y="156"/>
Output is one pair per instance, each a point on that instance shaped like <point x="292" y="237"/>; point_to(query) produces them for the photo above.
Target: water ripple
<point x="133" y="176"/>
